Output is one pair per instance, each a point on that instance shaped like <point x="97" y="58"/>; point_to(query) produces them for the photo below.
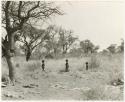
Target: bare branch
<point x="33" y="8"/>
<point x="19" y="9"/>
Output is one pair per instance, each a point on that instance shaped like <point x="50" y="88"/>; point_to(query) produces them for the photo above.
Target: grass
<point x="102" y="71"/>
<point x="94" y="62"/>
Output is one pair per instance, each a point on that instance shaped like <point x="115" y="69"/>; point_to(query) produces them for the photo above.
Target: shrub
<point x="49" y="56"/>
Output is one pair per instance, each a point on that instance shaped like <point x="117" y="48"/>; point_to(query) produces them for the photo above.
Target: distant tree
<point x="121" y="47"/>
<point x="112" y="48"/>
<point x="66" y="39"/>
<point x="52" y="44"/>
<point x="14" y="15"/>
<point x="75" y="50"/>
<point x="60" y="40"/>
<point x="95" y="49"/>
<point x="105" y="51"/>
<point x="88" y="47"/>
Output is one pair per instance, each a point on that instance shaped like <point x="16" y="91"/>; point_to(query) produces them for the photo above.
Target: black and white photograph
<point x="64" y="50"/>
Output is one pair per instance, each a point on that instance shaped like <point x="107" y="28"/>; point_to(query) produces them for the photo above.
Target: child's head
<point x="42" y="61"/>
<point x="66" y="60"/>
<point x="86" y="62"/>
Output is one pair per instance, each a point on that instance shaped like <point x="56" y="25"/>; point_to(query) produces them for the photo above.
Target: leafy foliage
<point x="88" y="47"/>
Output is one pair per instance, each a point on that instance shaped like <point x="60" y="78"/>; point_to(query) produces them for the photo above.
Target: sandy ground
<point x="62" y="86"/>
<point x="54" y="84"/>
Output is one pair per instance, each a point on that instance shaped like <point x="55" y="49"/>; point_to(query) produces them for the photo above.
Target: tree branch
<point x="19" y="9"/>
<point x="33" y="8"/>
<point x="7" y="15"/>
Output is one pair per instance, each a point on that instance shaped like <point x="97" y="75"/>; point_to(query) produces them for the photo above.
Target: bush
<point x="49" y="56"/>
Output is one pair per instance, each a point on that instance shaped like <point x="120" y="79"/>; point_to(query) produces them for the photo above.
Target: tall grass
<point x="94" y="62"/>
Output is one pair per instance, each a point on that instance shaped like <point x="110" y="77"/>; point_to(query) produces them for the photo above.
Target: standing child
<point x="67" y="66"/>
<point x="43" y="65"/>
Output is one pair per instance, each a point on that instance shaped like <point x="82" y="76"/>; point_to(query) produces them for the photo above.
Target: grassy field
<point x="77" y="84"/>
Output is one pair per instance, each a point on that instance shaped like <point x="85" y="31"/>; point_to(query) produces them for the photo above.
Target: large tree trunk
<point x="8" y="46"/>
<point x="12" y="71"/>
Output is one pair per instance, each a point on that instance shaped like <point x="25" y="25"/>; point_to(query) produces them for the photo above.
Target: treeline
<point x="57" y="42"/>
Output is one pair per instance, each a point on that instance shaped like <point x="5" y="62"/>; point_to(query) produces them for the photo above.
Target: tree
<point x="75" y="50"/>
<point x="14" y="16"/>
<point x="60" y="40"/>
<point x="88" y="47"/>
<point x="121" y="47"/>
<point x="95" y="49"/>
<point x="112" y="48"/>
<point x="39" y="52"/>
<point x="52" y="44"/>
<point x="66" y="39"/>
<point x="31" y="37"/>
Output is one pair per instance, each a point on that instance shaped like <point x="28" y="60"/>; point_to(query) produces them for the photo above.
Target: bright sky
<point x="100" y="21"/>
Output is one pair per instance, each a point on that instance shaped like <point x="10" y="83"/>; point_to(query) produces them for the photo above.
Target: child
<point x="67" y="66"/>
<point x="43" y="65"/>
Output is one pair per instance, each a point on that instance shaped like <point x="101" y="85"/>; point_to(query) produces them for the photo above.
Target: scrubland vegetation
<point x="25" y="44"/>
<point x="77" y="84"/>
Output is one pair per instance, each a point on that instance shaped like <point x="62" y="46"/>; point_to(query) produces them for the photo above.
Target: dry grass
<point x="94" y="62"/>
<point x="102" y="70"/>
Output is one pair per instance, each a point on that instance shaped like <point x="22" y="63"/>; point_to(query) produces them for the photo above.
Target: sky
<point x="102" y="22"/>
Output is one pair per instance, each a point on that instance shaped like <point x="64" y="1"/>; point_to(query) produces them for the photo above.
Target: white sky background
<point x="102" y="22"/>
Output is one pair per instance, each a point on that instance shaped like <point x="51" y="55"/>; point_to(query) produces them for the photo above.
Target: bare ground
<point x="53" y="84"/>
